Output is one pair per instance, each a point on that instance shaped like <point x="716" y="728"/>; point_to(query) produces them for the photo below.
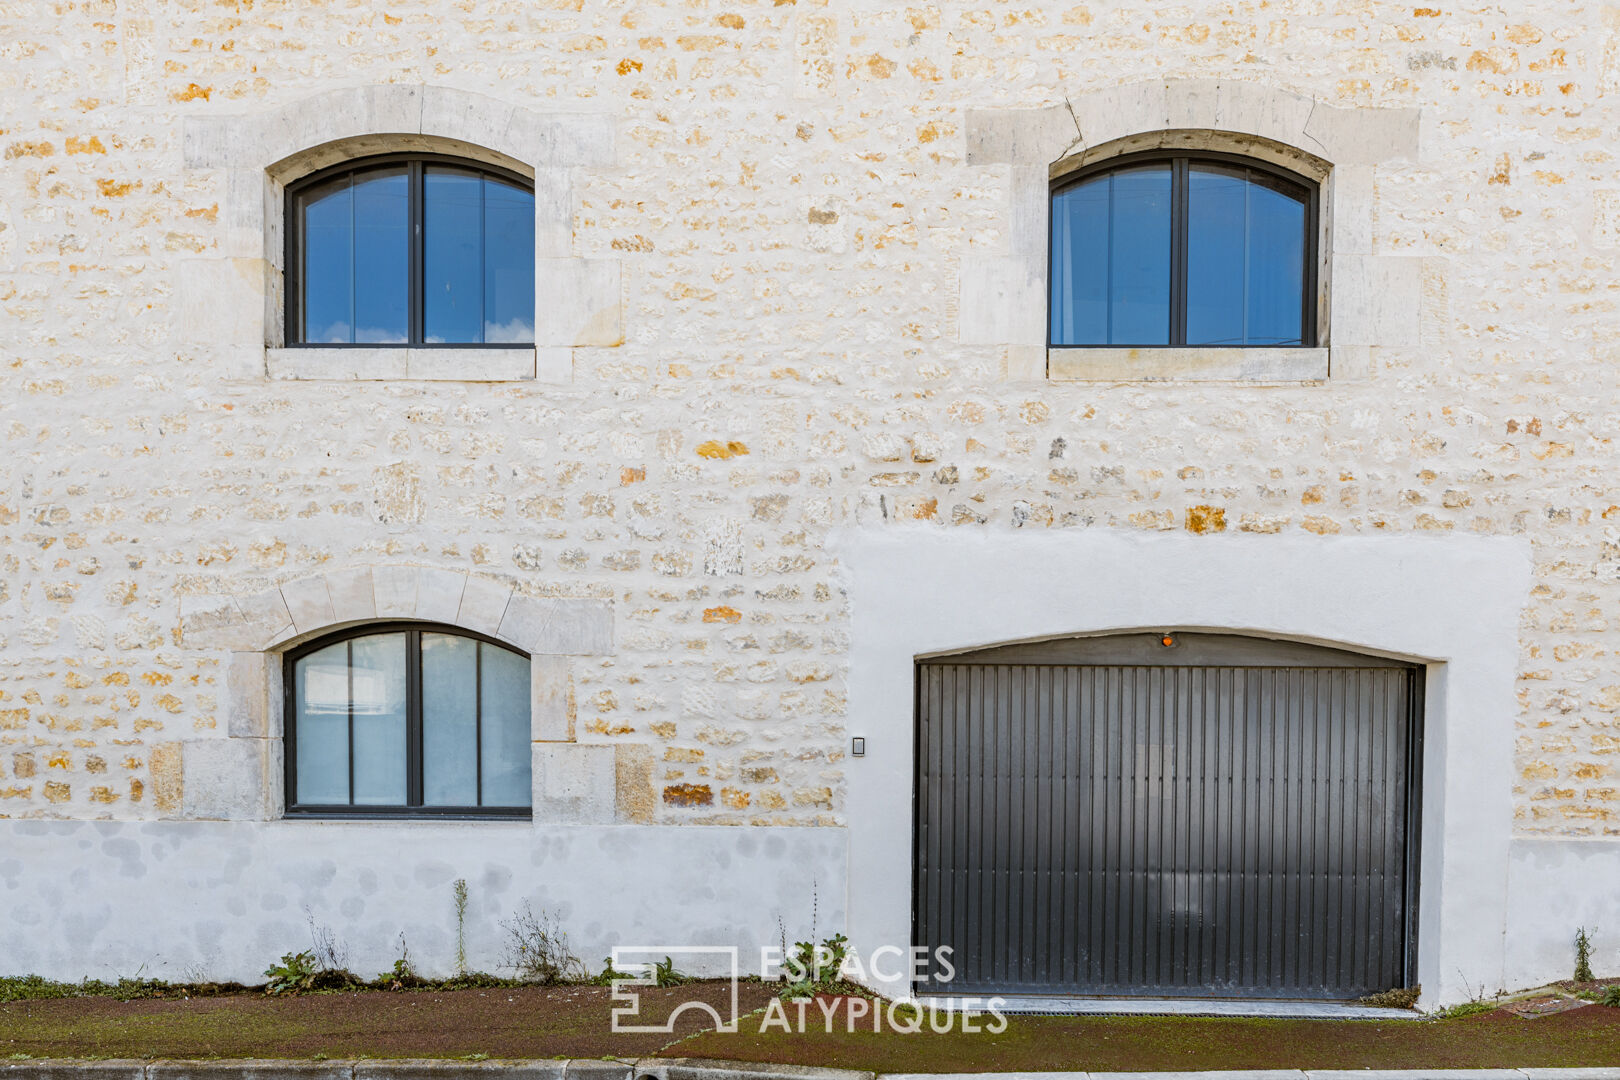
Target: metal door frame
<point x="1414" y="769"/>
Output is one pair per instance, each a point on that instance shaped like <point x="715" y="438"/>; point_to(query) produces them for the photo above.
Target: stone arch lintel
<point x="1041" y="135"/>
<point x="263" y="141"/>
<point x="276" y="619"/>
<point x="1258" y="147"/>
<point x="230" y="304"/>
<point x="304" y="162"/>
<point x="236" y="777"/>
<point x="1366" y="299"/>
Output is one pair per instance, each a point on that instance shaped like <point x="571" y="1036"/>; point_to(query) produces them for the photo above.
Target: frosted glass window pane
<point x="321" y="718"/>
<point x="449" y="720"/>
<point x="505" y="727"/>
<point x="378" y="678"/>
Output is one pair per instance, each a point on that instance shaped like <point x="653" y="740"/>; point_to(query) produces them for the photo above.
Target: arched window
<point x="410" y="250"/>
<point x="1183" y="249"/>
<point x="406" y="719"/>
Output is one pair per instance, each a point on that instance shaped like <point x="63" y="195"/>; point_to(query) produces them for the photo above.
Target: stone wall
<point x="797" y="224"/>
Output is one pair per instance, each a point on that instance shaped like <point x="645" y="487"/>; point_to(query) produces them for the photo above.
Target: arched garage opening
<point x="1169" y="815"/>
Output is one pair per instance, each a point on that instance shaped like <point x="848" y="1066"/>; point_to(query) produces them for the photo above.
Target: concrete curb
<point x="681" y="1069"/>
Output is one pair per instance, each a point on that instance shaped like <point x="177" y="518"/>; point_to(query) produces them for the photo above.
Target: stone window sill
<point x="1187" y="365"/>
<point x="493" y="364"/>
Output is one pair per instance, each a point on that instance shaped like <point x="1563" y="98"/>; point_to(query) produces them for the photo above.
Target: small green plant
<point x="303" y="972"/>
<point x="403" y="975"/>
<point x="1583" y="956"/>
<point x="817" y="969"/>
<point x="1466" y="1008"/>
<point x="461" y="926"/>
<point x="664" y="973"/>
<point x="1611" y="996"/>
<point x="35" y="988"/>
<point x="609" y="975"/>
<point x="474" y="980"/>
<point x="296" y="972"/>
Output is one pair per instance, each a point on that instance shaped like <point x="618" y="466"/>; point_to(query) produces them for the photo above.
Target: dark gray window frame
<point x="292" y="257"/>
<point x="412" y="807"/>
<point x="1178" y="161"/>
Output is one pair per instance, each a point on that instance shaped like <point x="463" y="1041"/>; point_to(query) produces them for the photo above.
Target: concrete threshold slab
<point x="1101" y="1006"/>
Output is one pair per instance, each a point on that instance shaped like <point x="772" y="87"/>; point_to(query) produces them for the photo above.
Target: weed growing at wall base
<point x="38" y="988"/>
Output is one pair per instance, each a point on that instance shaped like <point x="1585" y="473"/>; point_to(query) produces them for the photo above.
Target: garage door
<point x="1181" y="815"/>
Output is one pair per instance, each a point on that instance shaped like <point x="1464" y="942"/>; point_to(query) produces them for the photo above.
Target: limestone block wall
<point x="791" y="254"/>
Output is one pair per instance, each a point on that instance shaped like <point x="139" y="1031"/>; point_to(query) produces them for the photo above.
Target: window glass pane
<point x="356" y="272"/>
<point x="1080" y="264"/>
<point x="382" y="245"/>
<point x="453" y="248"/>
<point x="1276" y="267"/>
<point x="1245" y="259"/>
<point x="1217" y="201"/>
<point x="378" y="678"/>
<point x="449" y="720"/>
<point x="321" y="726"/>
<point x="1139" y="256"/>
<point x="508" y="263"/>
<point x="328" y="270"/>
<point x="505" y="720"/>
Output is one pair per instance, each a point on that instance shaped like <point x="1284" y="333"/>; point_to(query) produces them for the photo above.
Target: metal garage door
<point x="1220" y="816"/>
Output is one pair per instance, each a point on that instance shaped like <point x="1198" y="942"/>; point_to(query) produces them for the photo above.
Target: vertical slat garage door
<point x="1219" y="816"/>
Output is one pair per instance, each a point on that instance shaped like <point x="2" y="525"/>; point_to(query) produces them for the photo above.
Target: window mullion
<point x="348" y="652"/>
<point x="289" y="722"/>
<point x="483" y="251"/>
<point x="417" y="302"/>
<point x="1108" y="270"/>
<point x="413" y="718"/>
<point x="292" y="271"/>
<point x="354" y="266"/>
<point x="478" y="723"/>
<point x="1248" y="232"/>
<point x="1309" y="282"/>
<point x="1178" y="251"/>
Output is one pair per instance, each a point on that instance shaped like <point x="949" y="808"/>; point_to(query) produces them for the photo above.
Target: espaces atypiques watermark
<point x="818" y="1008"/>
